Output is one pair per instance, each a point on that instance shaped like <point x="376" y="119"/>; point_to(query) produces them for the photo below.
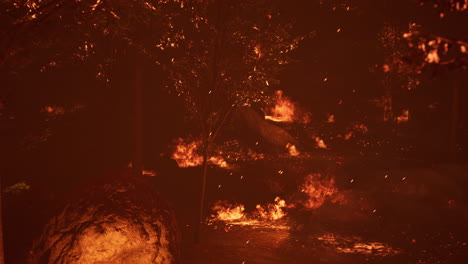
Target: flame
<point x="348" y="135"/>
<point x="284" y="109"/>
<point x="292" y="150"/>
<point x="218" y="161"/>
<point x="404" y="117"/>
<point x="186" y="155"/>
<point x="317" y="190"/>
<point x="225" y="211"/>
<point x="356" y="129"/>
<point x="355" y="245"/>
<point x="272" y="211"/>
<point x="433" y="56"/>
<point x="330" y="118"/>
<point x="320" y="143"/>
<point x="234" y="213"/>
<point x="53" y="110"/>
<point x="150" y="173"/>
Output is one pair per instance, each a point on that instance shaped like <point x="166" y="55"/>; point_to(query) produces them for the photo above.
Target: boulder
<point x="264" y="130"/>
<point x="124" y="221"/>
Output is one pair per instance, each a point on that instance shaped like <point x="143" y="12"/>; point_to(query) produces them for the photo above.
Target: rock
<point x="264" y="130"/>
<point x="125" y="222"/>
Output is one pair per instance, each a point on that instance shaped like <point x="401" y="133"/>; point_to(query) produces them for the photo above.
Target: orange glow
<point x="218" y="161"/>
<point x="317" y="190"/>
<point x="320" y="143"/>
<point x="53" y="110"/>
<point x="186" y="155"/>
<point x="150" y="173"/>
<point x="355" y="245"/>
<point x="234" y="213"/>
<point x="283" y="111"/>
<point x="273" y="211"/>
<point x="292" y="150"/>
<point x="228" y="212"/>
<point x="404" y="117"/>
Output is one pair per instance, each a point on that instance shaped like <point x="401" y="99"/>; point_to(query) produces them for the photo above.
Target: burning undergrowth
<point x="235" y="214"/>
<point x="314" y="191"/>
<point x="188" y="154"/>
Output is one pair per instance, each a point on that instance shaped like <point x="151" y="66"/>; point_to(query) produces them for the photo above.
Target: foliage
<point x="17" y="188"/>
<point x="52" y="33"/>
<point x="225" y="54"/>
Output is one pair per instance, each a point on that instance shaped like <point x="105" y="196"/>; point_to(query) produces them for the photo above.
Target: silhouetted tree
<point x="225" y="54"/>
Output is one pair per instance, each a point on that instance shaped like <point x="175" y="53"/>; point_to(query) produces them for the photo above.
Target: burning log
<point x="121" y="222"/>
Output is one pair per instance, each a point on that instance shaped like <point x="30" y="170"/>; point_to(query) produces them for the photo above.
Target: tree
<point x="225" y="54"/>
<point x="46" y="36"/>
<point x="436" y="53"/>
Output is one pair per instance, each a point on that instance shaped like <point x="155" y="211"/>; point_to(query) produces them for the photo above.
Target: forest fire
<point x="236" y="215"/>
<point x="241" y="131"/>
<point x="283" y="110"/>
<point x="228" y="212"/>
<point x="292" y="150"/>
<point x="272" y="211"/>
<point x="317" y="189"/>
<point x="186" y="155"/>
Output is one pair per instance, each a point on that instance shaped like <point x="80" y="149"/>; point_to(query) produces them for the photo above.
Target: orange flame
<point x="186" y="155"/>
<point x="272" y="211"/>
<point x="320" y="143"/>
<point x="284" y="109"/>
<point x="317" y="190"/>
<point x="234" y="213"/>
<point x="292" y="150"/>
<point x="404" y="117"/>
<point x="228" y="212"/>
<point x="353" y="245"/>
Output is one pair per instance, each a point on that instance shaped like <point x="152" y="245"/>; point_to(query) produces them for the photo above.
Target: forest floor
<point x="275" y="244"/>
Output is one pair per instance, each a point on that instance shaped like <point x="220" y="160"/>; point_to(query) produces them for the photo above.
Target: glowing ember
<point x="150" y="173"/>
<point x="317" y="190"/>
<point x="320" y="143"/>
<point x="355" y="245"/>
<point x="54" y="110"/>
<point x="292" y="150"/>
<point x="433" y="57"/>
<point x="228" y="212"/>
<point x="404" y="117"/>
<point x="330" y="118"/>
<point x="284" y="109"/>
<point x="186" y="155"/>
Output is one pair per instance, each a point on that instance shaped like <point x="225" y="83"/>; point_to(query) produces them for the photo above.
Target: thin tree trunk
<point x="2" y="253"/>
<point x="198" y="225"/>
<point x="455" y="113"/>
<point x="138" y="118"/>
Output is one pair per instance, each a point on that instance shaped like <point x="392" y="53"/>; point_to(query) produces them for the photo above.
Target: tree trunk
<point x="198" y="225"/>
<point x="138" y="117"/>
<point x="2" y="253"/>
<point x="455" y="113"/>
